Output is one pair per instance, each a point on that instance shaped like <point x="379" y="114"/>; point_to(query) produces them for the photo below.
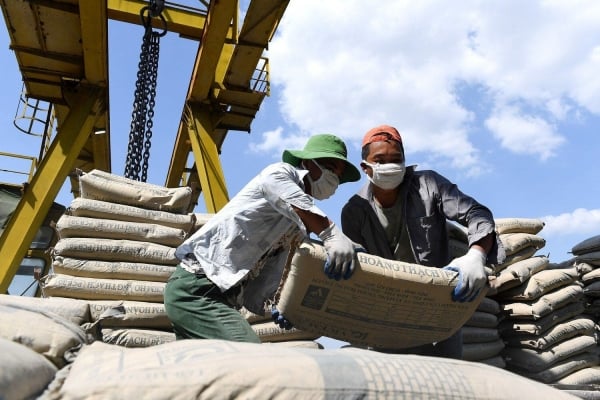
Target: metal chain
<point x="140" y="134"/>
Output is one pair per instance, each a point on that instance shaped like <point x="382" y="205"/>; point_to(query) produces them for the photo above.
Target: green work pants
<point x="199" y="310"/>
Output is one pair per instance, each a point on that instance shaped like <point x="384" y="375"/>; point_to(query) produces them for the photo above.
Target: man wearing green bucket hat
<point x="237" y="258"/>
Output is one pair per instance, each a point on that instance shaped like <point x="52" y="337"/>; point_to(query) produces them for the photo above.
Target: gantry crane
<point x="61" y="47"/>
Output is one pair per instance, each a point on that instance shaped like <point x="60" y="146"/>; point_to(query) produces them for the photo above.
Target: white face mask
<point x="324" y="187"/>
<point x="387" y="176"/>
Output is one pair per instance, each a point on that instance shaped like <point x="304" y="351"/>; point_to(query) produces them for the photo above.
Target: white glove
<point x="471" y="274"/>
<point x="340" y="253"/>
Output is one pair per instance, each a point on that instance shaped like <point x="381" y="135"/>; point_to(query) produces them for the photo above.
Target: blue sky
<point x="503" y="98"/>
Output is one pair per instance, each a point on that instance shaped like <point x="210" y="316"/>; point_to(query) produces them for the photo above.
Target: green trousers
<point x="199" y="310"/>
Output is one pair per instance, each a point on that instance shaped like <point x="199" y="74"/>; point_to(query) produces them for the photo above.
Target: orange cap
<point x="380" y="133"/>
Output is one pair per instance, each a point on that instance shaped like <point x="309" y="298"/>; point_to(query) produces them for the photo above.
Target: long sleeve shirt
<point x="248" y="239"/>
<point x="428" y="200"/>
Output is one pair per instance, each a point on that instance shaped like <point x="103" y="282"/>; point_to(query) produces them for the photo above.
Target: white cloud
<point x="581" y="221"/>
<point x="524" y="134"/>
<point x="274" y="142"/>
<point x="340" y="72"/>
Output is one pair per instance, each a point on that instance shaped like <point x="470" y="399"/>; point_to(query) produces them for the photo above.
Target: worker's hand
<point x="280" y="319"/>
<point x="340" y="253"/>
<point x="471" y="275"/>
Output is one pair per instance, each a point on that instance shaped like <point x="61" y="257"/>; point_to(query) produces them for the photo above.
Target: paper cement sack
<point x="206" y="369"/>
<point x="385" y="304"/>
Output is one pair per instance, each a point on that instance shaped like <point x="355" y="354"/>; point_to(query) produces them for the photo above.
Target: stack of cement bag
<point x="116" y="249"/>
<point x="481" y="339"/>
<point x="547" y="337"/>
<point x="586" y="259"/>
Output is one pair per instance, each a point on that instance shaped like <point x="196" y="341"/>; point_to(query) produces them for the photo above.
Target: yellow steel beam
<point x="39" y="195"/>
<point x="186" y="22"/>
<point x="218" y="24"/>
<point x="206" y="154"/>
<point x="94" y="41"/>
<point x="220" y="15"/>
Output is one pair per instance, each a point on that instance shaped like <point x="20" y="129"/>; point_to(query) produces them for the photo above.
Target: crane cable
<point x="140" y="134"/>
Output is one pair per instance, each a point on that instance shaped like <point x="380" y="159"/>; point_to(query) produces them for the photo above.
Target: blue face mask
<point x="324" y="187"/>
<point x="387" y="176"/>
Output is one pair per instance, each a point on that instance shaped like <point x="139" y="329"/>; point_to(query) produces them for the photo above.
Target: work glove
<point x="471" y="275"/>
<point x="341" y="251"/>
<point x="280" y="319"/>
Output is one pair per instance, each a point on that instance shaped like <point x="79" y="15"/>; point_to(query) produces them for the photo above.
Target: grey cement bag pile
<point x="587" y="260"/>
<point x="547" y="338"/>
<point x="116" y="249"/>
<point x="215" y="370"/>
<point x="385" y="304"/>
<point x="481" y="339"/>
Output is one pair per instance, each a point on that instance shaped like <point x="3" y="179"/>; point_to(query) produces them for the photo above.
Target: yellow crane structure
<point x="61" y="47"/>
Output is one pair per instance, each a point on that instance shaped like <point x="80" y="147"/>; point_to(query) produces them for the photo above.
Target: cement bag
<point x="385" y="304"/>
<point x="130" y="337"/>
<point x="219" y="370"/>
<point x="83" y="227"/>
<point x="80" y="207"/>
<point x="516" y="274"/>
<point x="481" y="319"/>
<point x="535" y="361"/>
<point x="73" y="310"/>
<point x="576" y="326"/>
<point x="24" y="374"/>
<point x="102" y="289"/>
<point x="253" y="318"/>
<point x="489" y="305"/>
<point x="545" y="304"/>
<point x="564" y="368"/>
<point x="133" y="314"/>
<point x="593" y="289"/>
<point x="115" y="250"/>
<point x="270" y="332"/>
<point x="514" y="327"/>
<point x="104" y="186"/>
<point x="583" y="268"/>
<point x="541" y="283"/>
<point x="519" y="225"/>
<point x="42" y="331"/>
<point x="495" y="361"/>
<point x="587" y="246"/>
<point x="200" y="219"/>
<point x="112" y="269"/>
<point x="515" y="242"/>
<point x="520" y="255"/>
<point x="482" y="351"/>
<point x="585" y="376"/>
<point x="590" y="258"/>
<point x="473" y="334"/>
<point x="591" y="276"/>
<point x="305" y="344"/>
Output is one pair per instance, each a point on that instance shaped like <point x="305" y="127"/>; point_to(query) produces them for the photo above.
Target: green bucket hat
<point x="324" y="146"/>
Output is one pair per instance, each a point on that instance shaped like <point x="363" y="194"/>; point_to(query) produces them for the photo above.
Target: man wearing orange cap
<point x="401" y="214"/>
